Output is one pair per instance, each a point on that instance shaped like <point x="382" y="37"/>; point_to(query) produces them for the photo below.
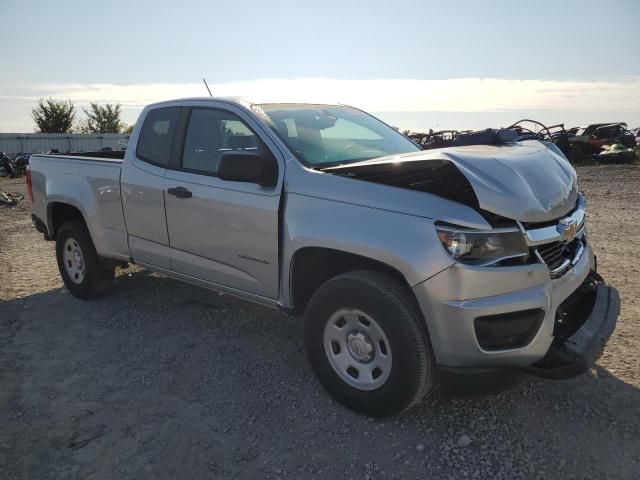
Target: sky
<point x="415" y="64"/>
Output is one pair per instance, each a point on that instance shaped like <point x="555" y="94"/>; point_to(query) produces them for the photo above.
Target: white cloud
<point x="455" y="95"/>
<point x="381" y="95"/>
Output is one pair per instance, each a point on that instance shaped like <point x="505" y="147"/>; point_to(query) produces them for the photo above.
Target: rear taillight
<point x="29" y="186"/>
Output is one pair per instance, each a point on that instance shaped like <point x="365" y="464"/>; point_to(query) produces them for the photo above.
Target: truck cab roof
<point x="242" y="101"/>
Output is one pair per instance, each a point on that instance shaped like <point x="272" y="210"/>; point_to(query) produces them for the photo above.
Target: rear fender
<point x="98" y="201"/>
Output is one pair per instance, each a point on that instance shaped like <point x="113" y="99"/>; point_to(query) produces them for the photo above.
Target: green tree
<point x="54" y="116"/>
<point x="129" y="129"/>
<point x="103" y="119"/>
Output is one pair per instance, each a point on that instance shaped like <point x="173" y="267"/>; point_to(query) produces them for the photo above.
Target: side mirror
<point x="253" y="167"/>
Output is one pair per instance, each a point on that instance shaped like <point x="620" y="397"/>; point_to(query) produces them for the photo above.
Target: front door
<point x="222" y="231"/>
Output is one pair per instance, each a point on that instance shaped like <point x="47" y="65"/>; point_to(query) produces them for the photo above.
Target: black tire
<point x="412" y="371"/>
<point x="98" y="272"/>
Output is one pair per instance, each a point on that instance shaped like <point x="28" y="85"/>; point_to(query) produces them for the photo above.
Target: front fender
<point x="407" y="243"/>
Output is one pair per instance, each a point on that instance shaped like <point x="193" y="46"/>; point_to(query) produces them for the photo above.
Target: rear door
<point x="220" y="231"/>
<point x="142" y="183"/>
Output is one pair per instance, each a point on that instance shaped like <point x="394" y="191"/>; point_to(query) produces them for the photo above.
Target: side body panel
<point x="143" y="202"/>
<point x="88" y="184"/>
<point x="376" y="196"/>
<point x="388" y="224"/>
<point x="224" y="235"/>
<point x="143" y="206"/>
<point x="226" y="232"/>
<point x="406" y="243"/>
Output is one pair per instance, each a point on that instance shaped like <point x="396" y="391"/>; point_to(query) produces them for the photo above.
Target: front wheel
<point x="367" y="343"/>
<point x="83" y="272"/>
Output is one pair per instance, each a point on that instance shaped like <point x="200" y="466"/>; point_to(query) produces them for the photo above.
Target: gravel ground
<point x="164" y="380"/>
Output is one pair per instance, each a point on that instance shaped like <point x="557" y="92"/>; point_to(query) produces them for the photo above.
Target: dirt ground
<point x="163" y="380"/>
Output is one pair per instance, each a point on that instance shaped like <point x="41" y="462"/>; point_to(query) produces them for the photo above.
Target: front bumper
<point x="594" y="315"/>
<point x="577" y="353"/>
<point x="452" y="301"/>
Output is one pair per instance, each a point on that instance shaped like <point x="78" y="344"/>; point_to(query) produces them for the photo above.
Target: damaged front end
<point x="526" y="181"/>
<point x="553" y="327"/>
<point x="584" y="323"/>
<point x="434" y="175"/>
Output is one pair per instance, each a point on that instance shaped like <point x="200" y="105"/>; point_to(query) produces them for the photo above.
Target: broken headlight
<point x="481" y="247"/>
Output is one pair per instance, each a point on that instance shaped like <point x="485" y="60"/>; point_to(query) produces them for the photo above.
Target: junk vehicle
<point x="616" y="153"/>
<point x="5" y="165"/>
<point x="601" y="142"/>
<point x="589" y="140"/>
<point x="13" y="166"/>
<point x="431" y="139"/>
<point x="461" y="265"/>
<point x="522" y="130"/>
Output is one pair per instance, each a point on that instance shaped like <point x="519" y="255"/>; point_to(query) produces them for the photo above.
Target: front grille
<point x="554" y="254"/>
<point x="549" y="242"/>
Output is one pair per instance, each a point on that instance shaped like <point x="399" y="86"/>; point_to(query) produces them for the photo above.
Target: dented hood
<point x="527" y="181"/>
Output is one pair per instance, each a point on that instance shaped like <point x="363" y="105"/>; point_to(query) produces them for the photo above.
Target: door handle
<point x="179" y="192"/>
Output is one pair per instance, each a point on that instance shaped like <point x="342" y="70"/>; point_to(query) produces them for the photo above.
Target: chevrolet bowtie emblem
<point x="567" y="228"/>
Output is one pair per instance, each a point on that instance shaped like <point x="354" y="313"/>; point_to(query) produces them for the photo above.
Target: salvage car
<point x="409" y="267"/>
<point x="589" y="140"/>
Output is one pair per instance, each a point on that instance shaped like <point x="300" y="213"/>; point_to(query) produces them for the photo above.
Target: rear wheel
<point x="83" y="272"/>
<point x="366" y="341"/>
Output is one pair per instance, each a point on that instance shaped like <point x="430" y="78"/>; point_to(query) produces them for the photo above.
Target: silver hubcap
<point x="73" y="260"/>
<point x="357" y="349"/>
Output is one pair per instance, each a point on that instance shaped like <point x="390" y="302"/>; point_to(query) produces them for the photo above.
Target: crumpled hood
<point x="527" y="181"/>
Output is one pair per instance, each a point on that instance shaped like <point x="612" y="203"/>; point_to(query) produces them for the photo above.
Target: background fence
<point x="63" y="142"/>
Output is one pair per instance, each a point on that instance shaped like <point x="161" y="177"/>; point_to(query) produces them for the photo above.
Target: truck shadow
<point x="209" y="378"/>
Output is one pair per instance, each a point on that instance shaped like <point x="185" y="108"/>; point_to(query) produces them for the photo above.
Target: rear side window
<point x="156" y="135"/>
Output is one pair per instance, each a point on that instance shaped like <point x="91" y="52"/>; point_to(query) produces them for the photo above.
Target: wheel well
<point x="59" y="213"/>
<point x="312" y="266"/>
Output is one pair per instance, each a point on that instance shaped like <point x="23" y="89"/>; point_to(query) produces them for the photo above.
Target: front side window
<point x="156" y="135"/>
<point x="326" y="135"/>
<point x="212" y="133"/>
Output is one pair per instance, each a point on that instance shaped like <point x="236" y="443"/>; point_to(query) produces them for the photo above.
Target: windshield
<point x="327" y="135"/>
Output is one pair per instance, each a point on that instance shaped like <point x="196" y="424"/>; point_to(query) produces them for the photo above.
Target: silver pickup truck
<point x="468" y="265"/>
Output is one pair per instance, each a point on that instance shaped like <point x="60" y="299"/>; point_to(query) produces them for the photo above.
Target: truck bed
<point x="111" y="155"/>
<point x="90" y="182"/>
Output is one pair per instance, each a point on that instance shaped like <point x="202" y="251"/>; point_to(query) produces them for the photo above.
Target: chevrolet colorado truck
<point x="462" y="265"/>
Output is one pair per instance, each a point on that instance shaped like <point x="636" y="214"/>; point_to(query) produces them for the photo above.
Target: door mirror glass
<point x="248" y="166"/>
